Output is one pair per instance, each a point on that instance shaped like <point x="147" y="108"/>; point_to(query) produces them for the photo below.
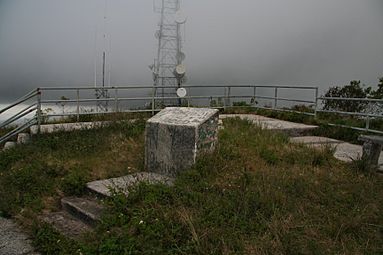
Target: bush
<point x="74" y="183"/>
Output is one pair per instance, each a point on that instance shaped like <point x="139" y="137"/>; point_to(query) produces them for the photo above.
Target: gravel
<point x="13" y="241"/>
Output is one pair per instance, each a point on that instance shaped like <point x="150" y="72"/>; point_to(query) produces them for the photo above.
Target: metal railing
<point x="367" y="116"/>
<point x="121" y="96"/>
<point x="124" y="99"/>
<point x="225" y="94"/>
<point x="31" y="100"/>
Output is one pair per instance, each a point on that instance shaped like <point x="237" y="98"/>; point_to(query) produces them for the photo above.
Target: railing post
<point x="255" y="95"/>
<point x="154" y="92"/>
<point x="78" y="105"/>
<point x="367" y="123"/>
<point x="316" y="102"/>
<point x="276" y="98"/>
<point x="116" y="100"/>
<point x="38" y="111"/>
<point x="228" y="96"/>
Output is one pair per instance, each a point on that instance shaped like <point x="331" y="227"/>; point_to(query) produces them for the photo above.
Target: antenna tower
<point x="101" y="92"/>
<point x="168" y="69"/>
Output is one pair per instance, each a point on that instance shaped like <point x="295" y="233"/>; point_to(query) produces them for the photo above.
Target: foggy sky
<point x="291" y="42"/>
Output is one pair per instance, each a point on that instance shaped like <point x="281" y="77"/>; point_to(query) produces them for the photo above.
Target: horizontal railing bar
<point x="351" y="99"/>
<point x="111" y="99"/>
<point x="284" y="110"/>
<point x="19" y="115"/>
<point x="356" y="128"/>
<point x="352" y="113"/>
<point x="19" y="101"/>
<point x="173" y="87"/>
<point x="18" y="130"/>
<point x="99" y="113"/>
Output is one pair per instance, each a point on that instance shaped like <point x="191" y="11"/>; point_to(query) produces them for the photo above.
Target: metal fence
<point x="367" y="115"/>
<point x="82" y="101"/>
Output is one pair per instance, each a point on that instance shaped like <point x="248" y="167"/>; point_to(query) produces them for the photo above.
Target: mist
<point x="295" y="42"/>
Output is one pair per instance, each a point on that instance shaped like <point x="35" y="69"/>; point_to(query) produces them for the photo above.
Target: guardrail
<point x="226" y="95"/>
<point x="32" y="101"/>
<point x="125" y="99"/>
<point x="368" y="116"/>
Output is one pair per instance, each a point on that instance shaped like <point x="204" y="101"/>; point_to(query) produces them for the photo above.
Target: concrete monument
<point x="176" y="136"/>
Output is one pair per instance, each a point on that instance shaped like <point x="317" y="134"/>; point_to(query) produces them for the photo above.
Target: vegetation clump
<point x="257" y="194"/>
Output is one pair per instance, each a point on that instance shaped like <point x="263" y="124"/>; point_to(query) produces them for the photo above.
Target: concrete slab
<point x="66" y="224"/>
<point x="345" y="152"/>
<point x="348" y="152"/>
<point x="104" y="187"/>
<point x="13" y="241"/>
<point x="291" y="128"/>
<point x="314" y="140"/>
<point x="67" y="127"/>
<point x="176" y="136"/>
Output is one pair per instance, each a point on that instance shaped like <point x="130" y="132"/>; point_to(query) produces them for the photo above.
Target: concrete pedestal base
<point x="175" y="137"/>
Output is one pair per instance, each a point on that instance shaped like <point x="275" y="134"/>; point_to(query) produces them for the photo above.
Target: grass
<point x="257" y="194"/>
<point x="33" y="175"/>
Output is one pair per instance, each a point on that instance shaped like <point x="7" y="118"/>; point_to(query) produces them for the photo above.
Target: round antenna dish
<point x="181" y="92"/>
<point x="181" y="56"/>
<point x="180" y="70"/>
<point x="157" y="34"/>
<point x="180" y="17"/>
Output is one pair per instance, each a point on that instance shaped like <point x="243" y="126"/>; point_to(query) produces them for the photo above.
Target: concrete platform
<point x="66" y="224"/>
<point x="314" y="140"/>
<point x="104" y="187"/>
<point x="345" y="152"/>
<point x="67" y="127"/>
<point x="291" y="128"/>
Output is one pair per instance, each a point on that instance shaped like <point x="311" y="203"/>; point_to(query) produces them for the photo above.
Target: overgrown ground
<point x="33" y="176"/>
<point x="257" y="194"/>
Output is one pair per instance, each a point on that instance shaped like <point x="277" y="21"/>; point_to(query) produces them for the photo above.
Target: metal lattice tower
<point x="168" y="70"/>
<point x="100" y="91"/>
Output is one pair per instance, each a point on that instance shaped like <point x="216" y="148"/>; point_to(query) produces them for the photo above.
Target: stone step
<point x="87" y="209"/>
<point x="104" y="188"/>
<point x="66" y="224"/>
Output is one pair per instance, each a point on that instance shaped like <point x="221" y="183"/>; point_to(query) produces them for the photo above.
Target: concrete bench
<point x="372" y="147"/>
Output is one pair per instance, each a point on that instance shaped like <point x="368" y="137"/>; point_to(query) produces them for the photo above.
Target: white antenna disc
<point x="181" y="56"/>
<point x="180" y="17"/>
<point x="180" y="70"/>
<point x="181" y="92"/>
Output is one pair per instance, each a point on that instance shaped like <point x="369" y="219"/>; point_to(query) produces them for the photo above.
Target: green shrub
<point x="74" y="183"/>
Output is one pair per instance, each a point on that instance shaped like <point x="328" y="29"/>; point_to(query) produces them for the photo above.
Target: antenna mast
<point x="101" y="93"/>
<point x="168" y="69"/>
